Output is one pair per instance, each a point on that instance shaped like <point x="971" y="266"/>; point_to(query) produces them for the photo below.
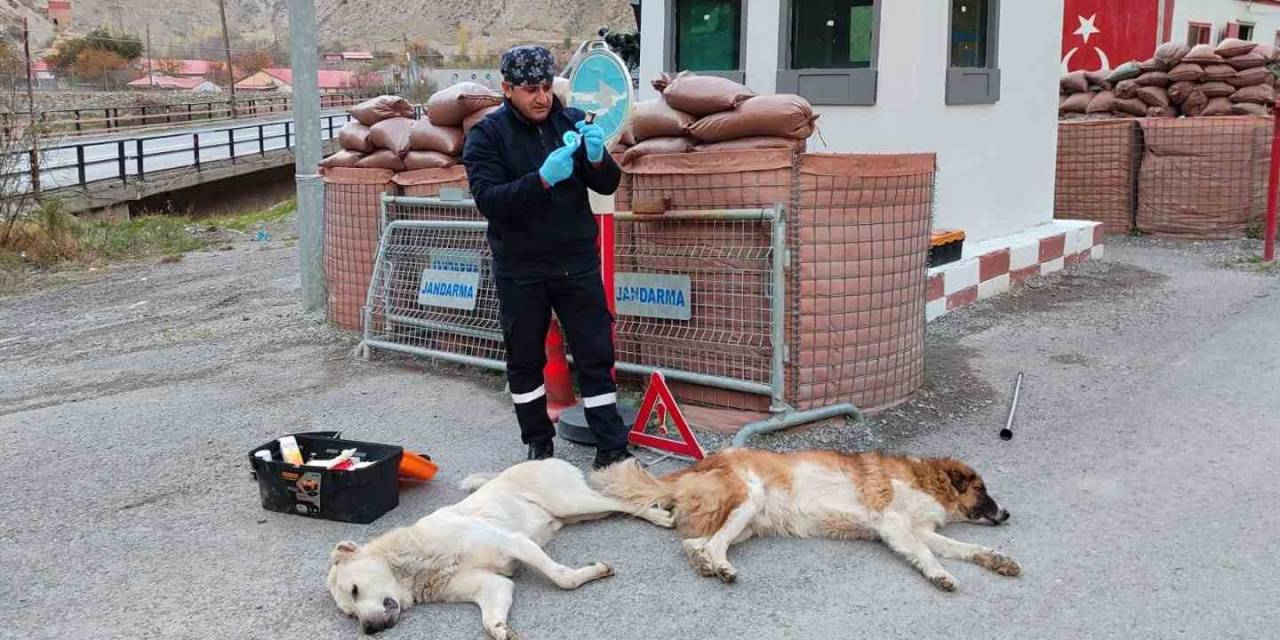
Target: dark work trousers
<point x="579" y="303"/>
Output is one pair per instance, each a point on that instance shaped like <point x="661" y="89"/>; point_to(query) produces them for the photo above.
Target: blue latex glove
<point x="558" y="166"/>
<point x="593" y="137"/>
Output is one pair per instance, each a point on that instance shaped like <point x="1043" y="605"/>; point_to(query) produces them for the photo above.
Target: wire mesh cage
<point x="1203" y="178"/>
<point x="351" y="229"/>
<point x="1097" y="172"/>
<point x="860" y="250"/>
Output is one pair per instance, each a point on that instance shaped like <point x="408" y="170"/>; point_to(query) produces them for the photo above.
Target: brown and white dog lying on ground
<point x="735" y="494"/>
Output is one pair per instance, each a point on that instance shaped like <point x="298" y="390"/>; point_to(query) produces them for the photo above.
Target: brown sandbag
<point x="671" y="144"/>
<point x="1267" y="51"/>
<point x="1202" y="54"/>
<point x="1126" y="89"/>
<point x="1187" y="72"/>
<point x="1153" y="79"/>
<point x="428" y="160"/>
<point x="449" y="107"/>
<point x="345" y="158"/>
<point x="382" y="159"/>
<point x="375" y="110"/>
<point x="1074" y="82"/>
<point x="1097" y="80"/>
<point x="354" y="136"/>
<point x="1260" y="94"/>
<point x="1249" y="60"/>
<point x="1104" y="102"/>
<point x="1251" y="77"/>
<point x="1076" y="103"/>
<point x="627" y="137"/>
<point x="1154" y="64"/>
<point x="1172" y="53"/>
<point x="1195" y="103"/>
<point x="425" y="136"/>
<point x="1179" y="91"/>
<point x="1232" y="47"/>
<point x="392" y="134"/>
<point x="656" y="119"/>
<point x="1217" y="107"/>
<point x="1249" y="109"/>
<point x="476" y="117"/>
<point x="1217" y="89"/>
<point x="784" y="115"/>
<point x="1218" y="73"/>
<point x="1132" y="106"/>
<point x="704" y="95"/>
<point x="767" y="142"/>
<point x="1162" y="112"/>
<point x="1154" y="97"/>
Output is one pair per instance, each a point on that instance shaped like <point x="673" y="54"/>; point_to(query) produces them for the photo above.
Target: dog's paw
<point x="604" y="570"/>
<point x="696" y="551"/>
<point x="945" y="582"/>
<point x="725" y="572"/>
<point x="1000" y="563"/>
<point x="661" y="517"/>
<point x="502" y="631"/>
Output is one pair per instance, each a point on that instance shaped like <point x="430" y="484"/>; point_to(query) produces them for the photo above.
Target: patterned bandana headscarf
<point x="528" y="64"/>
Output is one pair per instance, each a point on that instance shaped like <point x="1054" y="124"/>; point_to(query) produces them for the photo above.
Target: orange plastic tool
<point x="416" y="467"/>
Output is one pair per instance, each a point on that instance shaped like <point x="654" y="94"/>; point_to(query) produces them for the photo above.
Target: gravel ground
<point x="1138" y="476"/>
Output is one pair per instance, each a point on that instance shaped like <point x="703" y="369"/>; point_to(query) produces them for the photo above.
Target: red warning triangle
<point x="658" y="397"/>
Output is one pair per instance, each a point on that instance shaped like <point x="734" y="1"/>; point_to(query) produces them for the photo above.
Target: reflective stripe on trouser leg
<point x="580" y="305"/>
<point x="526" y="315"/>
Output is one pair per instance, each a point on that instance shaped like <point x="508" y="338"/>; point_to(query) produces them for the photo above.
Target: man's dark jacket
<point x="534" y="231"/>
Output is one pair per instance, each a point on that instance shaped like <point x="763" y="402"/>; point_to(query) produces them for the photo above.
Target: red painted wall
<point x="1122" y="30"/>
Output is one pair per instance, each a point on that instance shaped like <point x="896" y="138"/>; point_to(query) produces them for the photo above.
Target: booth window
<point x="829" y="50"/>
<point x="1198" y="33"/>
<point x="973" y="72"/>
<point x="705" y="36"/>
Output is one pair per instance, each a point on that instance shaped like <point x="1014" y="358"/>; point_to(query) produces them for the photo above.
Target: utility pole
<point x="150" y="74"/>
<point x="226" y="47"/>
<point x="31" y="111"/>
<point x="305" y="61"/>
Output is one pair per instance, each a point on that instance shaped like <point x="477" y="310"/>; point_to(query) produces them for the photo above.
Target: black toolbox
<point x="356" y="495"/>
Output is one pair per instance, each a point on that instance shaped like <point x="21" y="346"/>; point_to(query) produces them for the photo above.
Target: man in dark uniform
<point x="532" y="188"/>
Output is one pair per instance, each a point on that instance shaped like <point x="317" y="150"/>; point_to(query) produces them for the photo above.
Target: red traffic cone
<point x="556" y="375"/>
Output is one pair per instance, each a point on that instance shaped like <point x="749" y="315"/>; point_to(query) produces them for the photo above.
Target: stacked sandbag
<point x="384" y="135"/>
<point x="709" y="113"/>
<point x="1231" y="78"/>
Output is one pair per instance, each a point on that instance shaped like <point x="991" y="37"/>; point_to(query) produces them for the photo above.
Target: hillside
<point x="372" y="25"/>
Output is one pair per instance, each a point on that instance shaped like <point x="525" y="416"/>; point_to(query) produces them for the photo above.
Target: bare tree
<point x="16" y="198"/>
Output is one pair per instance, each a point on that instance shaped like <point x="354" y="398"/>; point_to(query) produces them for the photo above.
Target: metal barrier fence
<point x="701" y="294"/>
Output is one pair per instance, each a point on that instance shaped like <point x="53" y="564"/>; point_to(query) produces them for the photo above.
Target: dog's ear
<point x="960" y="479"/>
<point x="344" y="551"/>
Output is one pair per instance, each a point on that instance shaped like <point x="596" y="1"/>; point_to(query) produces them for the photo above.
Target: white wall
<point x="1264" y="17"/>
<point x="995" y="162"/>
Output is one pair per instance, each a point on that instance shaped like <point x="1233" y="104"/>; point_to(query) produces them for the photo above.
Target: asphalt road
<point x="1141" y="478"/>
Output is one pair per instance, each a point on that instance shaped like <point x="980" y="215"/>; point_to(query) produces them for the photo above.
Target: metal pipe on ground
<point x="793" y="419"/>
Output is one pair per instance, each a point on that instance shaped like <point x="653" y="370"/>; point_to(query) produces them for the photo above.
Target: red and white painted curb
<point x="995" y="265"/>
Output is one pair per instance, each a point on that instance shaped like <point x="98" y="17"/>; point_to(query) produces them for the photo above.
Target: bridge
<point x="107" y="171"/>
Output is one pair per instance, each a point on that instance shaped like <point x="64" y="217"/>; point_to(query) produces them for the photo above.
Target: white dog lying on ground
<point x="465" y="552"/>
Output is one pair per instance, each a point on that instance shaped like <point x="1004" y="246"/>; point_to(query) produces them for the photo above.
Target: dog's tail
<point x="475" y="481"/>
<point x="633" y="485"/>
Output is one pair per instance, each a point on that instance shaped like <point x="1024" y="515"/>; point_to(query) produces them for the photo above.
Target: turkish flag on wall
<point x="1098" y="34"/>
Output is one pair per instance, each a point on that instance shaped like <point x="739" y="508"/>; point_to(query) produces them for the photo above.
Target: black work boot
<point x="607" y="458"/>
<point x="541" y="450"/>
